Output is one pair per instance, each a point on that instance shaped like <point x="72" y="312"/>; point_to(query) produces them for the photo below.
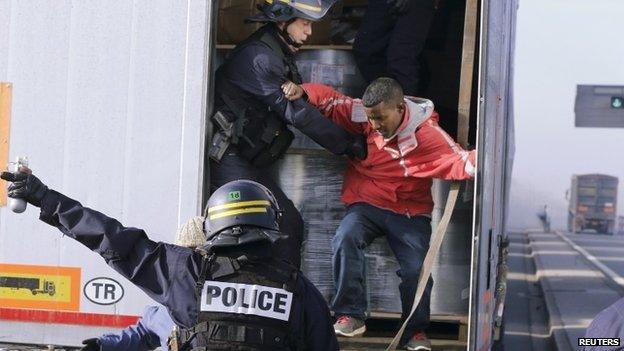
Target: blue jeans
<point x="409" y="240"/>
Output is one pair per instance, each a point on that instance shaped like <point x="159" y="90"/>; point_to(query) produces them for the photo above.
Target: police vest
<point x="246" y="306"/>
<point x="262" y="135"/>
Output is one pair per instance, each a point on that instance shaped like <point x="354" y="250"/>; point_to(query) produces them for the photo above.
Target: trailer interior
<point x="311" y="177"/>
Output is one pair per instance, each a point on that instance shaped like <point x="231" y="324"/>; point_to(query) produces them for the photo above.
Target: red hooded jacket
<point x="397" y="173"/>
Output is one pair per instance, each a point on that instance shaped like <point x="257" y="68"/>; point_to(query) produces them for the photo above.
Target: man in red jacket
<point x="387" y="194"/>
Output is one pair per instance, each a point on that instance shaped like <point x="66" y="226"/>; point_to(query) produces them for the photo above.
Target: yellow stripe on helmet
<point x="308" y="7"/>
<point x="239" y="204"/>
<point x="296" y="4"/>
<point x="239" y="211"/>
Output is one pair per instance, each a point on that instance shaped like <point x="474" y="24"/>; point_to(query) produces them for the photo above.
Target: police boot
<point x="358" y="148"/>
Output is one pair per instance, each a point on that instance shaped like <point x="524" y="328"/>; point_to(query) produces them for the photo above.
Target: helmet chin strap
<point x="287" y="38"/>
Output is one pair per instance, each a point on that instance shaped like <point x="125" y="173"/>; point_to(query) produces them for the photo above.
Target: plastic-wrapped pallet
<point x="331" y="67"/>
<point x="313" y="181"/>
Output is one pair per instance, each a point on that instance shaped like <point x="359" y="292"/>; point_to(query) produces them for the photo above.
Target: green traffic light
<point x="617" y="102"/>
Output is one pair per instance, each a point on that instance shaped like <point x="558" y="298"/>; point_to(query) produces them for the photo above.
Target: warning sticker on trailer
<point x="40" y="287"/>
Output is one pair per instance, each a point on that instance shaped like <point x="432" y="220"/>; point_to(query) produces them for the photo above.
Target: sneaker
<point x="419" y="342"/>
<point x="349" y="326"/>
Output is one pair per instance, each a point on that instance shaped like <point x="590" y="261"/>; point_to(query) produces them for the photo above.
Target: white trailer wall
<point x="109" y="106"/>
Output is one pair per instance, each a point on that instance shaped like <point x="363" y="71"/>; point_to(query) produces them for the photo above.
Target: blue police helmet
<point x="240" y="212"/>
<point x="286" y="10"/>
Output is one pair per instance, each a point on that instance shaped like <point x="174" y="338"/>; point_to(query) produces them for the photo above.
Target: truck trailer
<point x="32" y="284"/>
<point x="592" y="203"/>
<point x="118" y="95"/>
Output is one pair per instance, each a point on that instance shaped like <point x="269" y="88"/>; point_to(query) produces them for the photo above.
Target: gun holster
<point x="223" y="136"/>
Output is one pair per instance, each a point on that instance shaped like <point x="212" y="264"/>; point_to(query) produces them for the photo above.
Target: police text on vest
<point x="258" y="300"/>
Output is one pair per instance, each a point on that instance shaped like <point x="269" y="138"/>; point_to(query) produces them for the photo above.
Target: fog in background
<point x="559" y="44"/>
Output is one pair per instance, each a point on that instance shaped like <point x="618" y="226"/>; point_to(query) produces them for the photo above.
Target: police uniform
<point x="232" y="296"/>
<point x="609" y="323"/>
<point x="150" y="332"/>
<point x="253" y="113"/>
<point x="390" y="42"/>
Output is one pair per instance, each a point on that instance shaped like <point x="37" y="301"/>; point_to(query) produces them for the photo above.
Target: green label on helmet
<point x="234" y="195"/>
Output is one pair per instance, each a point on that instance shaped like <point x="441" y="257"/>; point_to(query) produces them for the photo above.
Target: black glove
<point x="25" y="186"/>
<point x="398" y="7"/>
<point x="358" y="149"/>
<point x="92" y="344"/>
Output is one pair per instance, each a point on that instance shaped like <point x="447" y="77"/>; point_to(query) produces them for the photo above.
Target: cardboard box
<point x="321" y="32"/>
<point x="231" y="26"/>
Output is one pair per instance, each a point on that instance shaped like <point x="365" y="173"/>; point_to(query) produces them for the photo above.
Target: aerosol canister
<point x="18" y="205"/>
<point x="174" y="339"/>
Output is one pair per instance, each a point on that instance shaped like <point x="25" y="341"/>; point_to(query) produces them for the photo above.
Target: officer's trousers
<point x="234" y="167"/>
<point x="391" y="46"/>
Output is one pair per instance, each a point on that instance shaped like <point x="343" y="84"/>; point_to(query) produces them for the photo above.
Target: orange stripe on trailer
<point x="40" y="287"/>
<point x="5" y="126"/>
<point x="63" y="317"/>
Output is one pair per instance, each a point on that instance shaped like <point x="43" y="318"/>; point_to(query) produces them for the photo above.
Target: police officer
<point x="252" y="112"/>
<point x="391" y="39"/>
<point x="155" y="325"/>
<point x="232" y="294"/>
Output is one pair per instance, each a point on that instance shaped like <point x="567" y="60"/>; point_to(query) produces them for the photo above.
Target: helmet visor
<point x="311" y="9"/>
<point x="275" y="10"/>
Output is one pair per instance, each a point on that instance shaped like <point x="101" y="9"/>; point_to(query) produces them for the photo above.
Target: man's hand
<point x="25" y="186"/>
<point x="292" y="91"/>
<point x="92" y="344"/>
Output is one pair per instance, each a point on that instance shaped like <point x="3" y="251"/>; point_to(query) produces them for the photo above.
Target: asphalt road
<point x="525" y="317"/>
<point x="607" y="249"/>
<point x="570" y="268"/>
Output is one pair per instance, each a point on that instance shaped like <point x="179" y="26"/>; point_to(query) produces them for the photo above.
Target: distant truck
<point x="592" y="203"/>
<point x="32" y="284"/>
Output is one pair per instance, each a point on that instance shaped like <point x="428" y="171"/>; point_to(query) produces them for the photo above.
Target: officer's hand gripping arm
<point x="266" y="85"/>
<point x="292" y="91"/>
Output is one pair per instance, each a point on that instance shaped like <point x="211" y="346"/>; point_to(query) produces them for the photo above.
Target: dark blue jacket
<point x="256" y="72"/>
<point x="609" y="323"/>
<point x="150" y="332"/>
<point x="168" y="273"/>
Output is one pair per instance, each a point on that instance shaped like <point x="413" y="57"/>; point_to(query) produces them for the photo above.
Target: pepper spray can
<point x="18" y="205"/>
